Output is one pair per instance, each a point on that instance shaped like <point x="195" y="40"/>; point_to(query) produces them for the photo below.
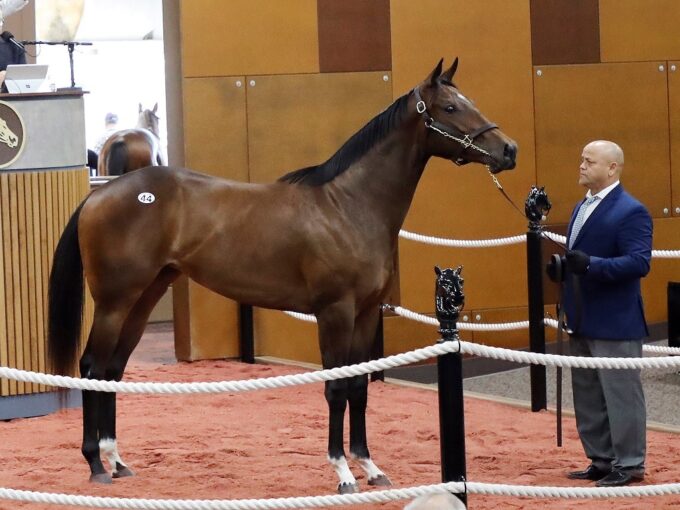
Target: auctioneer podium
<point x="43" y="177"/>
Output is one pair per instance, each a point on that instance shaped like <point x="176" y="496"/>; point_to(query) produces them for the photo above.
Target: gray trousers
<point x="611" y="417"/>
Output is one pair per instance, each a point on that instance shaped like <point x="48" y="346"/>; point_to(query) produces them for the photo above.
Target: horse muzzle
<point x="508" y="160"/>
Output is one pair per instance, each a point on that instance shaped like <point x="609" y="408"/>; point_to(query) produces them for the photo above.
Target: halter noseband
<point x="466" y="140"/>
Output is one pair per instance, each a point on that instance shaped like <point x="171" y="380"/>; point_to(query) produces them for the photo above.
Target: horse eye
<point x="450" y="109"/>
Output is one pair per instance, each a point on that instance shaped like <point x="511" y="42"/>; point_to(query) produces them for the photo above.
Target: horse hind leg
<point x="101" y="343"/>
<point x="357" y="396"/>
<point x="131" y="333"/>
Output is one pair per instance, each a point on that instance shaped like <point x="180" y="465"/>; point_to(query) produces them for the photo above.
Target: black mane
<point x="353" y="149"/>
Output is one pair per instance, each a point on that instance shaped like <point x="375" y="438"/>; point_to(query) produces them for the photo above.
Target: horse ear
<point x="434" y="75"/>
<point x="140" y="108"/>
<point x="448" y="74"/>
<point x="155" y="107"/>
<point x="437" y="271"/>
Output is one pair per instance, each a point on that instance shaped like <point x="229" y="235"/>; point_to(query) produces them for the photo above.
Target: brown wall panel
<point x="674" y="111"/>
<point x="216" y="143"/>
<point x="463" y="203"/>
<point x="248" y="37"/>
<point x="632" y="30"/>
<point x="282" y="336"/>
<point x="300" y="120"/>
<point x="354" y="35"/>
<point x="565" y="31"/>
<point x="215" y="126"/>
<point x="577" y="104"/>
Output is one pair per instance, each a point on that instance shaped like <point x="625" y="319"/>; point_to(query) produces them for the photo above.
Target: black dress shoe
<point x="617" y="478"/>
<point x="590" y="473"/>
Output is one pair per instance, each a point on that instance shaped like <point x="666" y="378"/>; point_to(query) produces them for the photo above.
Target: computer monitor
<point x="22" y="78"/>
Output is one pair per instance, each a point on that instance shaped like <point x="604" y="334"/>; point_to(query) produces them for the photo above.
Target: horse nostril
<point x="510" y="151"/>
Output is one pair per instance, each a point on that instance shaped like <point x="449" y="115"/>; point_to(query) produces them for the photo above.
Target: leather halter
<point x="465" y="139"/>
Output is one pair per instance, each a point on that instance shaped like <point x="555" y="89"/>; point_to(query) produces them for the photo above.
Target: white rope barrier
<point x="506" y="326"/>
<point x="384" y="496"/>
<point x="504" y="241"/>
<point x="407" y="358"/>
<point x="462" y="243"/>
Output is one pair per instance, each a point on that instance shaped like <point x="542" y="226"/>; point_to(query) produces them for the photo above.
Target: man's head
<point x="111" y="119"/>
<point x="601" y="165"/>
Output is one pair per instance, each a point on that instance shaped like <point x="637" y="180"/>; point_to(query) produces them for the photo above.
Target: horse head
<point x="449" y="295"/>
<point x="455" y="129"/>
<point x="537" y="204"/>
<point x="7" y="136"/>
<point x="148" y="119"/>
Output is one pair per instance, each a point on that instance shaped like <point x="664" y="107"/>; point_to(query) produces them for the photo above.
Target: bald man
<point x="609" y="250"/>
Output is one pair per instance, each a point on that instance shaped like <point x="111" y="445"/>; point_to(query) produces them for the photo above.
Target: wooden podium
<point x="43" y="177"/>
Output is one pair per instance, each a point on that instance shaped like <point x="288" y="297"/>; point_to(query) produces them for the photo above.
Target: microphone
<point x="9" y="37"/>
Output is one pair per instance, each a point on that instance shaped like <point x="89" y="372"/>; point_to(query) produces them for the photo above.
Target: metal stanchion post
<point x="449" y="301"/>
<point x="536" y="205"/>
<point x="247" y="338"/>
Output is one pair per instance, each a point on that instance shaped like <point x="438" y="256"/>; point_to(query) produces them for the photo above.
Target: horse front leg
<point x="336" y="324"/>
<point x="357" y="393"/>
<point x="358" y="444"/>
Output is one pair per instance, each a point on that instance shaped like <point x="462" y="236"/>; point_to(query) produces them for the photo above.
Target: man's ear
<point x="434" y="75"/>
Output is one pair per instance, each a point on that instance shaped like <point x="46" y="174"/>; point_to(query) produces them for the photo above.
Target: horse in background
<point x="130" y="149"/>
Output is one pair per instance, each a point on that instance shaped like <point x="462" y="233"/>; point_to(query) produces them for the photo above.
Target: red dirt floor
<point x="271" y="443"/>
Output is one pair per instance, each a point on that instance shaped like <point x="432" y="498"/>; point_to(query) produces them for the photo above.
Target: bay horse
<point x="320" y="240"/>
<point x="129" y="149"/>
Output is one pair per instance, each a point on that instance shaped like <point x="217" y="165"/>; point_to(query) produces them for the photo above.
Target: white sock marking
<point x="342" y="470"/>
<point x="372" y="471"/>
<point x="109" y="447"/>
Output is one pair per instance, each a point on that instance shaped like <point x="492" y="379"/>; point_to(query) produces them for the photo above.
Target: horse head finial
<point x="449" y="295"/>
<point x="537" y="206"/>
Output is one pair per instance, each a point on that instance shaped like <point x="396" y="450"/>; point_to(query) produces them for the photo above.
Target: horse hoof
<point x="380" y="481"/>
<point x="348" y="488"/>
<point x="101" y="478"/>
<point x="123" y="472"/>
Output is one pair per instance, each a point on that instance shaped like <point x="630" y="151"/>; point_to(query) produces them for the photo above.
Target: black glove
<point x="555" y="268"/>
<point x="577" y="262"/>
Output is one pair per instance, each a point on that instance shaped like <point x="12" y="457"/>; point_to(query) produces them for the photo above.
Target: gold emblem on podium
<point x="12" y="134"/>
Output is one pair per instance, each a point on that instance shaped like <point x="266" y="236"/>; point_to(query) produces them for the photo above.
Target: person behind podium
<point x="11" y="51"/>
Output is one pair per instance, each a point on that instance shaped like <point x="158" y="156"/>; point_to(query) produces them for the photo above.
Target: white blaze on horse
<point x="131" y="149"/>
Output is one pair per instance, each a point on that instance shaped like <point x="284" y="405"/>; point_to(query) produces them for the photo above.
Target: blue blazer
<point x="606" y="303"/>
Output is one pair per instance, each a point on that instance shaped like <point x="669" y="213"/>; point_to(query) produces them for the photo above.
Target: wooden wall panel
<point x="626" y="103"/>
<point x="300" y="120"/>
<point x="215" y="135"/>
<point x="565" y="31"/>
<point x="354" y="35"/>
<point x="297" y="121"/>
<point x="216" y="143"/>
<point x="282" y="336"/>
<point x="633" y="30"/>
<point x="248" y="37"/>
<point x="463" y="203"/>
<point x="29" y="230"/>
<point x="674" y="110"/>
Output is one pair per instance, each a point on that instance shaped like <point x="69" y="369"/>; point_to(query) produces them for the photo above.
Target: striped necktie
<point x="580" y="219"/>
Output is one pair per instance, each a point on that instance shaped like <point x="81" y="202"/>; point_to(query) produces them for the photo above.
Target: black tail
<point x="117" y="158"/>
<point x="66" y="296"/>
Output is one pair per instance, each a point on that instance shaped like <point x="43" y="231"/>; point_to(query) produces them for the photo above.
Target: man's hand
<point x="577" y="261"/>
